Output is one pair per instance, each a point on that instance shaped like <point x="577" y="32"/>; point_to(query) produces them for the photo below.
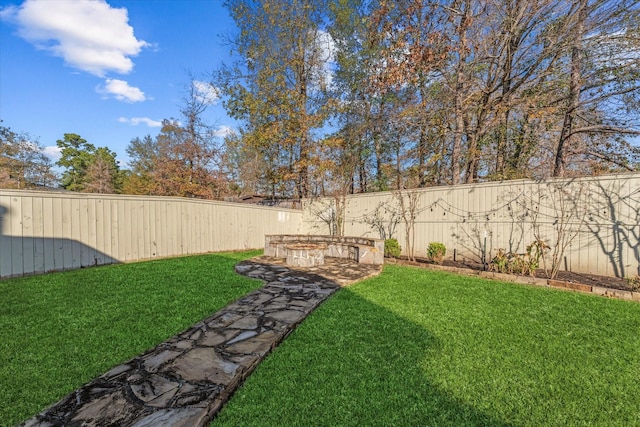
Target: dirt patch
<point x="563" y="276"/>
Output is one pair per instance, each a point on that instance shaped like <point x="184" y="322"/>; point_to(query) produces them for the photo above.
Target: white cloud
<point x="121" y="91"/>
<point x="135" y="121"/>
<point x="323" y="55"/>
<point x="223" y="131"/>
<point x="53" y="152"/>
<point x="89" y="35"/>
<point x="206" y="92"/>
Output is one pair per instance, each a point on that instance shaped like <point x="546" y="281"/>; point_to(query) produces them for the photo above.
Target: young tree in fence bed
<point x="409" y="202"/>
<point x="558" y="211"/>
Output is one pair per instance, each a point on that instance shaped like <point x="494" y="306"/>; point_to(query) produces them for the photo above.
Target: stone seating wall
<point x="360" y="249"/>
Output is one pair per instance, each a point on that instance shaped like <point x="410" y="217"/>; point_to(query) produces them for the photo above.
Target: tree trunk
<point x="575" y="85"/>
<point x="456" y="150"/>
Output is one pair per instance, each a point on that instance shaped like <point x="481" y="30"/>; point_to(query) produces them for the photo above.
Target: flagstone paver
<point x="185" y="380"/>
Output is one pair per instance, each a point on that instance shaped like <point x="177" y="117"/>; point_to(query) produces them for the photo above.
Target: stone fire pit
<point x="305" y="254"/>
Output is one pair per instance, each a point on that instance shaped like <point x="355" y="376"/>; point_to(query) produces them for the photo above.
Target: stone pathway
<point x="186" y="380"/>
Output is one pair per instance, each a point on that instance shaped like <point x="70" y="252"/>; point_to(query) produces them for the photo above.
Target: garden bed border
<point x="527" y="280"/>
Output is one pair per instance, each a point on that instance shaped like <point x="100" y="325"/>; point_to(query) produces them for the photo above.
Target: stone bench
<point x="363" y="250"/>
<point x="305" y="254"/>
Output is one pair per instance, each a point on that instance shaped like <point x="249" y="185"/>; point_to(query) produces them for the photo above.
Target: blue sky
<point x="108" y="70"/>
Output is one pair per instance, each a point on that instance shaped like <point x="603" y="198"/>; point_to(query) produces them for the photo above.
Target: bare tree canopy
<point x="419" y="93"/>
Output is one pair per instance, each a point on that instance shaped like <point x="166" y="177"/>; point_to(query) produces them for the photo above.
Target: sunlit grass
<point x="60" y="330"/>
<point x="415" y="347"/>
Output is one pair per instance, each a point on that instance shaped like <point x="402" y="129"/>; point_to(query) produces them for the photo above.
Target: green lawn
<point x="60" y="330"/>
<point x="414" y="347"/>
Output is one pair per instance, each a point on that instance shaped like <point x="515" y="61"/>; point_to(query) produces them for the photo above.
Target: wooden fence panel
<point x="599" y="215"/>
<point x="44" y="231"/>
<point x="47" y="231"/>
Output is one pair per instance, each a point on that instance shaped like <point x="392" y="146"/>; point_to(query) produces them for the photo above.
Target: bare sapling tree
<point x="324" y="210"/>
<point x="102" y="175"/>
<point x="384" y="219"/>
<point x="563" y="207"/>
<point x="409" y="202"/>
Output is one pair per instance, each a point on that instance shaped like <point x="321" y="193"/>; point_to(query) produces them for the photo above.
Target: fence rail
<point x="45" y="231"/>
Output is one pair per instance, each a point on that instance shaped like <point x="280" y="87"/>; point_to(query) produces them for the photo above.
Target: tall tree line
<point x="351" y="95"/>
<point x="334" y="97"/>
<point x="184" y="159"/>
<point x="277" y="88"/>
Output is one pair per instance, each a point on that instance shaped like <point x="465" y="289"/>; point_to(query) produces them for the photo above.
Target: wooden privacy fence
<point x="46" y="231"/>
<point x="591" y="224"/>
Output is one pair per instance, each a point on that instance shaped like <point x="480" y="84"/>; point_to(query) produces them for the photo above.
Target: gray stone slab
<point x="204" y="364"/>
<point x="156" y="359"/>
<point x="155" y="390"/>
<point x="218" y="337"/>
<point x="178" y="417"/>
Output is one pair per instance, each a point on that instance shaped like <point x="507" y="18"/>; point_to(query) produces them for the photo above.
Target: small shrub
<point x="436" y="252"/>
<point x="634" y="282"/>
<point x="535" y="252"/>
<point x="500" y="262"/>
<point x="526" y="263"/>
<point x="392" y="248"/>
<point x="519" y="264"/>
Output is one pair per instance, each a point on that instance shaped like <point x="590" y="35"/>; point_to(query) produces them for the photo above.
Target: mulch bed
<point x="562" y="276"/>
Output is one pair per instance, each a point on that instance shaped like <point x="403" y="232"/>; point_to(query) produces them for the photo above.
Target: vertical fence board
<point x="126" y="237"/>
<point x="171" y="245"/>
<point x="115" y="231"/>
<point x="163" y="239"/>
<point x="200" y="231"/>
<point x="211" y="235"/>
<point x="6" y="239"/>
<point x="16" y="233"/>
<point x="82" y="232"/>
<point x="184" y="219"/>
<point x="48" y="235"/>
<point x="38" y="236"/>
<point x="27" y="235"/>
<point x="100" y="232"/>
<point x="58" y="233"/>
<point x="136" y="229"/>
<point x="153" y="238"/>
<point x="91" y="242"/>
<point x="176" y="229"/>
<point x="108" y="230"/>
<point x="134" y="223"/>
<point x="74" y="237"/>
<point x="143" y="231"/>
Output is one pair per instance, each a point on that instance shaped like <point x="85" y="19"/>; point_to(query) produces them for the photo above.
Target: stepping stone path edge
<point x="187" y="379"/>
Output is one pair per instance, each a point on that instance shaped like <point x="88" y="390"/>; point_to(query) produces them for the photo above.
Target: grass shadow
<point x="367" y="371"/>
<point x="415" y="347"/>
